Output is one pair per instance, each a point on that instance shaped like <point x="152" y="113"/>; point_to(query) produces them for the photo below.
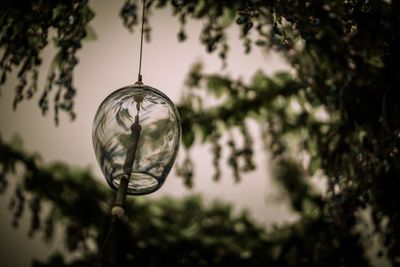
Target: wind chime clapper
<point x="136" y="136"/>
<point x="118" y="208"/>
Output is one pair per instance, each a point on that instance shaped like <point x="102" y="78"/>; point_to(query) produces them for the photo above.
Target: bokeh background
<point x="111" y="62"/>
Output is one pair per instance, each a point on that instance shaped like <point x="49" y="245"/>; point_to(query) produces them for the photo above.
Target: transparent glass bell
<point x="136" y="135"/>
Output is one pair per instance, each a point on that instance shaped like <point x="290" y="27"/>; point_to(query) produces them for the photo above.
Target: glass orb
<point x="136" y="135"/>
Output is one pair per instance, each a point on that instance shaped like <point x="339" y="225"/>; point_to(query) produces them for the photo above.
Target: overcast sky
<point x="110" y="63"/>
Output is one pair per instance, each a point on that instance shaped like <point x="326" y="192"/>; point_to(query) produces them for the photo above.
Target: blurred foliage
<point x="165" y="232"/>
<point x="335" y="115"/>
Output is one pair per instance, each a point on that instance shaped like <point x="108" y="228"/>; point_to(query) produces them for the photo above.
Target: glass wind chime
<point x="136" y="136"/>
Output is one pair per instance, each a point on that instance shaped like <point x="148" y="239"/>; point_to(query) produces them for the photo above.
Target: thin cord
<point x="117" y="212"/>
<point x="106" y="241"/>
<point x="141" y="44"/>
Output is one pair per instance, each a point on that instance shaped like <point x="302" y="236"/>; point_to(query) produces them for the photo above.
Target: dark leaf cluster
<point x="26" y="29"/>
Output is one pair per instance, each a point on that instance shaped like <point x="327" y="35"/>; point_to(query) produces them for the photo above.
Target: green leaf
<point x="90" y="33"/>
<point x="217" y="85"/>
<point x="228" y="17"/>
<point x="188" y="138"/>
<point x="314" y="165"/>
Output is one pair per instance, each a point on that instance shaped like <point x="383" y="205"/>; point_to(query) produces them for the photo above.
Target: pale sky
<point x="110" y="63"/>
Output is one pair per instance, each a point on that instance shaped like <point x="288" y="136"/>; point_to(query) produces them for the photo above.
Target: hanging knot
<point x="139" y="82"/>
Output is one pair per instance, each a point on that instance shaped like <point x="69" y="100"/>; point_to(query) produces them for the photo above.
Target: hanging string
<point x="118" y="209"/>
<point x="141" y="44"/>
<point x="102" y="260"/>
